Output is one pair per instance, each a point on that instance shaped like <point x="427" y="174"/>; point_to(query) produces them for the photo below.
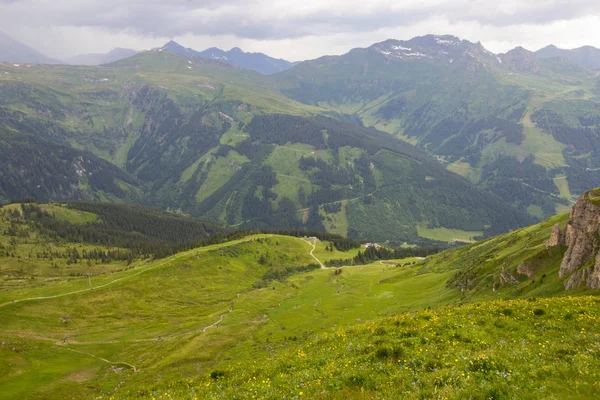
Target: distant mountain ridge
<point x="434" y="48"/>
<point x="14" y="51"/>
<point x="446" y="49"/>
<point x="116" y="54"/>
<point x="585" y="56"/>
<point x="257" y="62"/>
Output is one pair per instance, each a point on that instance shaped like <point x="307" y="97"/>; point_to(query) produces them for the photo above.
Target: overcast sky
<point x="294" y="30"/>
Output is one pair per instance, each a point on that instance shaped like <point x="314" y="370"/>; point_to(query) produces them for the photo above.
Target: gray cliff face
<point x="581" y="263"/>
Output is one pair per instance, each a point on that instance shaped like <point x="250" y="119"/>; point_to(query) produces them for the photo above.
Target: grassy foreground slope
<point x="517" y="349"/>
<point x="256" y="318"/>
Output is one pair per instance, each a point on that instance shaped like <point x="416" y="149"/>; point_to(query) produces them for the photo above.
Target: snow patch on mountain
<point x="441" y="41"/>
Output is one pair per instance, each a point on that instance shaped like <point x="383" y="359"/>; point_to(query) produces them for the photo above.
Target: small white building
<point x="371" y="245"/>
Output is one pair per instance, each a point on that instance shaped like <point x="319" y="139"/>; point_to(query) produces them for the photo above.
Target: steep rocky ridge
<point x="581" y="263"/>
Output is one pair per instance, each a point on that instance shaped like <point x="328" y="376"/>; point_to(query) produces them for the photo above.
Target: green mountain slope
<point x="478" y="112"/>
<point x="215" y="142"/>
<point x="257" y="316"/>
<point x="31" y="166"/>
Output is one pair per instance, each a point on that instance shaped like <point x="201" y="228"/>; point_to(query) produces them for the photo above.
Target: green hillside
<point x="519" y="126"/>
<point x="214" y="142"/>
<point x="515" y="264"/>
<point x="257" y="316"/>
<point x="493" y="350"/>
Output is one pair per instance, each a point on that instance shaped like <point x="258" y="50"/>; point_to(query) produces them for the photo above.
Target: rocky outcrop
<point x="557" y="238"/>
<point x="581" y="263"/>
<point x="525" y="270"/>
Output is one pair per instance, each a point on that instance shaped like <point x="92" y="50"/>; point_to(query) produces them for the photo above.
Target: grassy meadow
<point x="215" y="322"/>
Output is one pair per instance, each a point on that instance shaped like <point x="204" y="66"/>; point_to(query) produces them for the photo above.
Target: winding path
<point x="218" y="322"/>
<point x="314" y="247"/>
<point x="103" y="359"/>
<point x="88" y="290"/>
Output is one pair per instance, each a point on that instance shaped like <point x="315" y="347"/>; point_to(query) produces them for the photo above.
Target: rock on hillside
<point x="581" y="263"/>
<point x="556" y="238"/>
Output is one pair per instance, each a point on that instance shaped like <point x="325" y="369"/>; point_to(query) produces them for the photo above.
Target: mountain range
<point x="330" y="144"/>
<point x="258" y="62"/>
<point x="213" y="141"/>
<point x="13" y="51"/>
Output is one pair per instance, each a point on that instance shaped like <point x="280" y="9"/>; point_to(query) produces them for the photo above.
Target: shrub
<point x="380" y="330"/>
<point x="216" y="375"/>
<point x="383" y="353"/>
<point x="506" y="312"/>
<point x="569" y="316"/>
<point x="495" y="394"/>
<point x="398" y="352"/>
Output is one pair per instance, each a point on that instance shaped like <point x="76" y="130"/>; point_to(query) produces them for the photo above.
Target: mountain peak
<point x="520" y="50"/>
<point x="520" y="53"/>
<point x="522" y="60"/>
<point x="441" y="48"/>
<point x="172" y="44"/>
<point x="444" y="39"/>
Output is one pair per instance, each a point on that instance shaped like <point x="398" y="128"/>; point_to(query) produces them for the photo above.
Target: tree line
<point x="139" y="231"/>
<point x="382" y="253"/>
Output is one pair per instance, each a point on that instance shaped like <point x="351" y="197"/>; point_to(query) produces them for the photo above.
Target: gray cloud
<point x="282" y="19"/>
<point x="293" y="29"/>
